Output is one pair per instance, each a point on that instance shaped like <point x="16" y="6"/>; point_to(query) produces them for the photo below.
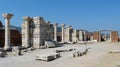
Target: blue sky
<point x="91" y="15"/>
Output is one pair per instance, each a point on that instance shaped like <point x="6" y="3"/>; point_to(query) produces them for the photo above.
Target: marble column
<point x="81" y="35"/>
<point x="63" y="25"/>
<point x="55" y="32"/>
<point x="68" y="33"/>
<point x="84" y="35"/>
<point x="26" y="21"/>
<point x="7" y="18"/>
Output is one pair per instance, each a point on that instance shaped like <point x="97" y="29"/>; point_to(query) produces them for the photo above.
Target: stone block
<point x="49" y="44"/>
<point x="48" y="57"/>
<point x="75" y="54"/>
<point x="3" y="53"/>
<point x="114" y="51"/>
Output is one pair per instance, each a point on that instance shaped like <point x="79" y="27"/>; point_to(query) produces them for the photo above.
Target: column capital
<point x="7" y="16"/>
<point x="62" y="25"/>
<point x="55" y="24"/>
<point x="27" y="18"/>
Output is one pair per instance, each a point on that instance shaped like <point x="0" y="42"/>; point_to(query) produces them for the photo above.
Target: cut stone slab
<point x="47" y="57"/>
<point x="114" y="51"/>
<point x="81" y="42"/>
<point x="64" y="50"/>
<point x="3" y="53"/>
<point x="42" y="47"/>
<point x="49" y="44"/>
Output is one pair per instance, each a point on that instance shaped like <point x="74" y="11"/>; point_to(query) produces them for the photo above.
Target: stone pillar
<point x="81" y="35"/>
<point x="26" y="21"/>
<point x="91" y="37"/>
<point x="114" y="37"/>
<point x="62" y="25"/>
<point x="7" y="18"/>
<point x="55" y="32"/>
<point x="84" y="35"/>
<point x="68" y="33"/>
<point x="105" y="37"/>
<point x="99" y="36"/>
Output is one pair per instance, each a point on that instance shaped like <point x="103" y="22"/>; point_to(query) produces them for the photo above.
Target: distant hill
<point x="14" y="27"/>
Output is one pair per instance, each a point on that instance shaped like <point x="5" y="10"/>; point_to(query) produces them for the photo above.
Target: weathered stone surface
<point x="49" y="44"/>
<point x="77" y="53"/>
<point x="64" y="50"/>
<point x="114" y="51"/>
<point x="38" y="31"/>
<point x="3" y="53"/>
<point x="55" y="31"/>
<point x="63" y="33"/>
<point x="7" y="30"/>
<point x="48" y="57"/>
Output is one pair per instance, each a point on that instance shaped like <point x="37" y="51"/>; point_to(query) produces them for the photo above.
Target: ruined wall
<point x="114" y="36"/>
<point x="75" y="36"/>
<point x="39" y="31"/>
<point x="96" y="36"/>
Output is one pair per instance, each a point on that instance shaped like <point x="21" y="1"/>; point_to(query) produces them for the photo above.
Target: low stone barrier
<point x="47" y="57"/>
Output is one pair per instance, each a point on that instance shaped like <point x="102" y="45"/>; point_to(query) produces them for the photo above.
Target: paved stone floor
<point x="97" y="56"/>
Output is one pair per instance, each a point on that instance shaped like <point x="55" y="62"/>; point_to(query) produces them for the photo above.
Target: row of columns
<point x="7" y="18"/>
<point x="27" y="19"/>
<point x="55" y="32"/>
<point x="62" y="33"/>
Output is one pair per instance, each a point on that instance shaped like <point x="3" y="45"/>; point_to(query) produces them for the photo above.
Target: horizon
<point x="90" y="15"/>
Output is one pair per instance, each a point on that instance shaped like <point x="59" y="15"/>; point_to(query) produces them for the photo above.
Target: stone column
<point x="80" y="35"/>
<point x="99" y="36"/>
<point x="7" y="18"/>
<point x="26" y="21"/>
<point x="68" y="33"/>
<point x="62" y="25"/>
<point x="105" y="37"/>
<point x="55" y="32"/>
<point x="84" y="35"/>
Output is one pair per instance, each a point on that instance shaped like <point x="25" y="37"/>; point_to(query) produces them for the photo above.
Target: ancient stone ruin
<point x="37" y="33"/>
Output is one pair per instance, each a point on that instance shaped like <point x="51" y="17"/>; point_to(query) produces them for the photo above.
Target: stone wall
<point x="39" y="31"/>
<point x="96" y="36"/>
<point x="114" y="36"/>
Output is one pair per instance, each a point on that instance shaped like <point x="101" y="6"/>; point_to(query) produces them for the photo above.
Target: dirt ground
<point x="98" y="56"/>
